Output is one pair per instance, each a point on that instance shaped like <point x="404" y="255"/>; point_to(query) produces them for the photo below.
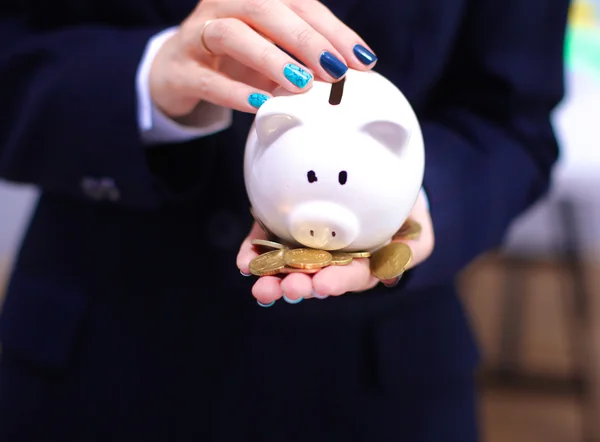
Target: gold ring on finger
<point x="202" y="41"/>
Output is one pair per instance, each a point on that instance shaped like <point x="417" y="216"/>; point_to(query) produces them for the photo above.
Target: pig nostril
<point x="333" y="234"/>
<point x="312" y="233"/>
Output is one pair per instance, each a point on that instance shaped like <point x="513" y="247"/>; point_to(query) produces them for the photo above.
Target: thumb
<point x="247" y="251"/>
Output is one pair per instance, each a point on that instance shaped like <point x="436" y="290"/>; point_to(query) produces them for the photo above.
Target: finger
<point x="267" y="290"/>
<point x="296" y="287"/>
<point x="422" y="247"/>
<point x="236" y="71"/>
<point x="236" y="39"/>
<point x="212" y="86"/>
<point x="247" y="251"/>
<point x="354" y="49"/>
<point x="391" y="282"/>
<point x="337" y="280"/>
<point x="286" y="29"/>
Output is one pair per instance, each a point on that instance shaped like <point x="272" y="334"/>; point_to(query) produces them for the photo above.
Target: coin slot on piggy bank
<point x="334" y="175"/>
<point x="337" y="92"/>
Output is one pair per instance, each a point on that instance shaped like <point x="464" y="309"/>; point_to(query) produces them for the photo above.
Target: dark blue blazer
<point x="126" y="318"/>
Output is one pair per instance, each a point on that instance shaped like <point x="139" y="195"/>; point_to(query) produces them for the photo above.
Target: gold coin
<point x="267" y="243"/>
<point x="287" y="270"/>
<point x="390" y="261"/>
<point x="360" y="254"/>
<point x="307" y="258"/>
<point x="341" y="259"/>
<point x="267" y="264"/>
<point x="411" y="229"/>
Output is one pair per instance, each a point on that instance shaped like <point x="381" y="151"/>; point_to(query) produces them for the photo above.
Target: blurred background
<point x="534" y="304"/>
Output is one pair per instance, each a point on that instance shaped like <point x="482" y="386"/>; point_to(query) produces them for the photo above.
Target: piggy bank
<point x="337" y="177"/>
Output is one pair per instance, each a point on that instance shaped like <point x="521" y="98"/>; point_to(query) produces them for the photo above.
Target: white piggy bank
<point x="335" y="177"/>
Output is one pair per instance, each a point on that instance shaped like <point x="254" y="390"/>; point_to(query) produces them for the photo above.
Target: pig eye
<point x="312" y="177"/>
<point x="343" y="177"/>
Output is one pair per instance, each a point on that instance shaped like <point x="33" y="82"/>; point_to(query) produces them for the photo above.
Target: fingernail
<point x="316" y="295"/>
<point x="292" y="301"/>
<point x="333" y="65"/>
<point x="245" y="274"/>
<point x="394" y="284"/>
<point x="257" y="100"/>
<point x="296" y="75"/>
<point x="265" y="305"/>
<point x="364" y="55"/>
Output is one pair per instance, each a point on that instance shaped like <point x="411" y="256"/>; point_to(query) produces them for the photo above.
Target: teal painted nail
<point x="265" y="305"/>
<point x="257" y="100"/>
<point x="296" y="75"/>
<point x="316" y="295"/>
<point x="292" y="301"/>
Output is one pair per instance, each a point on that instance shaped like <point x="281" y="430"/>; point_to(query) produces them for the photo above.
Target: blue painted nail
<point x="316" y="295"/>
<point x="245" y="274"/>
<point x="292" y="301"/>
<point x="364" y="55"/>
<point x="265" y="305"/>
<point x="296" y="75"/>
<point x="333" y="65"/>
<point x="257" y="100"/>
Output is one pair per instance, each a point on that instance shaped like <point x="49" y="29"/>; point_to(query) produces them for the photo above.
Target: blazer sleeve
<point x="490" y="146"/>
<point x="68" y="109"/>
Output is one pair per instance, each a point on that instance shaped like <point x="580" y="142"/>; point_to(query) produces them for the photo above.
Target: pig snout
<point x="323" y="225"/>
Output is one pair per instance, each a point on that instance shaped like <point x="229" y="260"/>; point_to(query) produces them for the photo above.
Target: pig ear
<point x="270" y="126"/>
<point x="390" y="134"/>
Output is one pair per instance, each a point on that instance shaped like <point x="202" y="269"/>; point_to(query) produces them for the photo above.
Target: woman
<point x="126" y="317"/>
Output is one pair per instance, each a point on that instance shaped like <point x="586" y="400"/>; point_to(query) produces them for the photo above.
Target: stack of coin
<point x="282" y="260"/>
<point x="387" y="262"/>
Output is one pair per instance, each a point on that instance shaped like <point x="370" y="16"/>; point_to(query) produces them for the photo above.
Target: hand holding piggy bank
<point x="335" y="177"/>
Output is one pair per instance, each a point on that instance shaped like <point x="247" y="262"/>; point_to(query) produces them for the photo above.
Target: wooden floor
<point x="509" y="415"/>
<point x="516" y="415"/>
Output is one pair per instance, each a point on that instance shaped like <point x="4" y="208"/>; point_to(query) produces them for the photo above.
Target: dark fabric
<point x="139" y="366"/>
<point x="129" y="320"/>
